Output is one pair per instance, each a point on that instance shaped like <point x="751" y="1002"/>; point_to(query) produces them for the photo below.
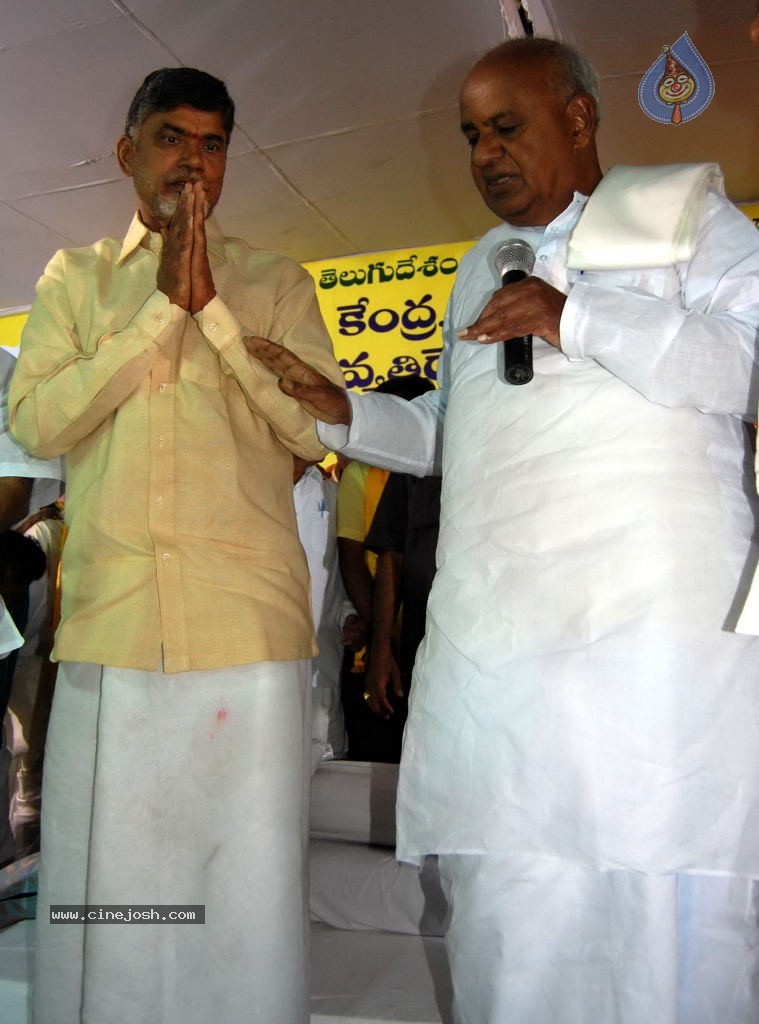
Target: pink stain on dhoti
<point x="221" y="716"/>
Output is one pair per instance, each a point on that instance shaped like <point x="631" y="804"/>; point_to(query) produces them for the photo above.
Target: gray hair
<point x="574" y="74"/>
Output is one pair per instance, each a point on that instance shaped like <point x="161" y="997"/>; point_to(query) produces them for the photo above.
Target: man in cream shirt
<point x="177" y="762"/>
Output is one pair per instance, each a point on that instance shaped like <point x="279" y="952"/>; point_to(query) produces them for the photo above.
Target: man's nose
<point x="487" y="148"/>
<point x="192" y="155"/>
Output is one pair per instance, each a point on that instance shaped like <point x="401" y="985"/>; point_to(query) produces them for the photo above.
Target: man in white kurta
<point x="583" y="742"/>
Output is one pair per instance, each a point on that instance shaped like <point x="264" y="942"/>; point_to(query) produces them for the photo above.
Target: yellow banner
<point x="11" y="328"/>
<point x="752" y="211"/>
<point x="384" y="312"/>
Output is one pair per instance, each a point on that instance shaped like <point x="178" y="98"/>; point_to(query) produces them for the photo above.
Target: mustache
<point x="184" y="179"/>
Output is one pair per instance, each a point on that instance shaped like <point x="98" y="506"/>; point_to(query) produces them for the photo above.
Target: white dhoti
<point x="544" y="941"/>
<point x="176" y="789"/>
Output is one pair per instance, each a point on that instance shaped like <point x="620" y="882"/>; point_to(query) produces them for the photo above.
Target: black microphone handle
<point x="517" y="360"/>
<point x="517" y="352"/>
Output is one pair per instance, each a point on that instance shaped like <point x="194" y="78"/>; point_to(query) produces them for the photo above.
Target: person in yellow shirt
<point x="178" y="752"/>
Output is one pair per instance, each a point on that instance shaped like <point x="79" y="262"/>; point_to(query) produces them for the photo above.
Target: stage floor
<point x="357" y="977"/>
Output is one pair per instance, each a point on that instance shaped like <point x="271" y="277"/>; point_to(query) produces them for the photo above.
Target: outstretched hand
<point x="316" y="393"/>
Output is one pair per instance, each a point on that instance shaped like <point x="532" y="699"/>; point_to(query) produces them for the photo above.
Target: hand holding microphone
<point x="514" y="262"/>
<point x="523" y="306"/>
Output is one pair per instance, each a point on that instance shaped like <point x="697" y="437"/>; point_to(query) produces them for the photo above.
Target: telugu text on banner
<point x="384" y="311"/>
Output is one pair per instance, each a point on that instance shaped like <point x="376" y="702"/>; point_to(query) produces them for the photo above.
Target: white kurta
<point x="749" y="620"/>
<point x="579" y="693"/>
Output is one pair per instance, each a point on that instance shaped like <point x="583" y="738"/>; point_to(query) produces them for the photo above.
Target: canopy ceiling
<point x="347" y="134"/>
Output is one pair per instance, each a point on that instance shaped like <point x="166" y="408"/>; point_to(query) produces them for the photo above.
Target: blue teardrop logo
<point x="678" y="86"/>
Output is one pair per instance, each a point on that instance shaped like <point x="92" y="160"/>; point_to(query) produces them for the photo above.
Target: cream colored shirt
<point x="183" y="548"/>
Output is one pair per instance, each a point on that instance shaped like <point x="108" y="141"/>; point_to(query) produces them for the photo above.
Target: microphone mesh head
<point x="515" y="254"/>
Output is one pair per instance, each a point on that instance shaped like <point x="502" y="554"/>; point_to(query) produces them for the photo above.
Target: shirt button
<point x="212" y="327"/>
<point x="542" y="258"/>
<point x="160" y="502"/>
<point x="161" y="442"/>
<point x="165" y="558"/>
<point x="163" y="387"/>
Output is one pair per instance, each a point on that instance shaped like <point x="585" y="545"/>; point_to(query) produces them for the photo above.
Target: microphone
<point x="514" y="261"/>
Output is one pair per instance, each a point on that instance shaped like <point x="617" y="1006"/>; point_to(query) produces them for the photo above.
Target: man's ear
<point x="582" y="113"/>
<point x="124" y="154"/>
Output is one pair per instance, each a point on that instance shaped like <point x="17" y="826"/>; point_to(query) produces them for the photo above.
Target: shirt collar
<point x="569" y="216"/>
<point x="578" y="200"/>
<point x="139" y="236"/>
<point x="562" y="222"/>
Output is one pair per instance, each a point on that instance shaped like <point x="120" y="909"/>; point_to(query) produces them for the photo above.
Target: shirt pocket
<point x="660" y="282"/>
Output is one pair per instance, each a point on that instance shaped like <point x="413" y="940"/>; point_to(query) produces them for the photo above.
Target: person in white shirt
<point x="21" y="562"/>
<point x="315" y="500"/>
<point x="26" y="484"/>
<point x="581" y="749"/>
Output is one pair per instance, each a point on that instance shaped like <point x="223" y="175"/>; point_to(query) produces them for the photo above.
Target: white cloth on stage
<point x="177" y="789"/>
<point x="538" y="940"/>
<point x="579" y="693"/>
